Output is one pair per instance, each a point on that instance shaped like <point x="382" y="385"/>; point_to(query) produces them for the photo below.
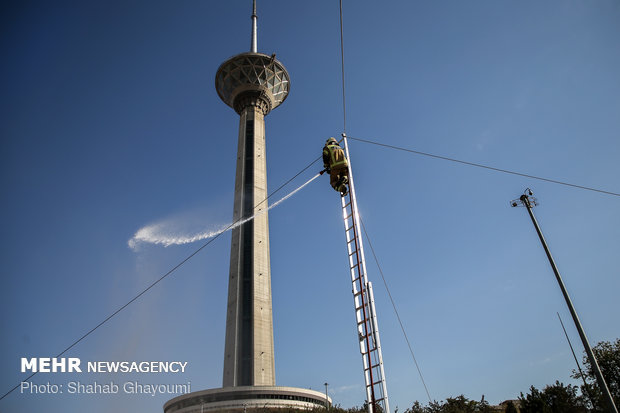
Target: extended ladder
<point x="364" y="302"/>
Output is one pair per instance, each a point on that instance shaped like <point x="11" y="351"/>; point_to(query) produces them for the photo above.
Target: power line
<point x="344" y="115"/>
<point x="127" y="304"/>
<point x="344" y="101"/>
<point x="583" y="377"/>
<point x="162" y="277"/>
<point x="484" y="166"/>
<point x="396" y="311"/>
<point x="289" y="181"/>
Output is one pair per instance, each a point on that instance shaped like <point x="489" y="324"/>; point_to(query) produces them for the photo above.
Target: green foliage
<point x="416" y="408"/>
<point x="510" y="408"/>
<point x="608" y="357"/>
<point x="556" y="398"/>
<point x="459" y="404"/>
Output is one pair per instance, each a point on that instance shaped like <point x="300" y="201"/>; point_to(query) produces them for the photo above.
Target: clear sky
<point x="110" y="122"/>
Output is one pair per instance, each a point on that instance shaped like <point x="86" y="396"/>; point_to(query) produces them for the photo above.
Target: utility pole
<point x="583" y="376"/>
<point x="528" y="201"/>
<point x="326" y="398"/>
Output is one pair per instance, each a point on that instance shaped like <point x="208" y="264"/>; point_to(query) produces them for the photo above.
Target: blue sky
<point x="110" y="122"/>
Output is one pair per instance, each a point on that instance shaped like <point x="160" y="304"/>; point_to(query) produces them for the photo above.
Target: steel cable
<point x="396" y="311"/>
<point x="162" y="277"/>
<point x="344" y="101"/>
<point x="445" y="158"/>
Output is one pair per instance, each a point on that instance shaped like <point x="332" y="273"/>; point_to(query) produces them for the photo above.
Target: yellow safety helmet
<point x="331" y="141"/>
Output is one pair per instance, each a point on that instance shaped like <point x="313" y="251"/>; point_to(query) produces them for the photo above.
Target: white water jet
<point x="161" y="233"/>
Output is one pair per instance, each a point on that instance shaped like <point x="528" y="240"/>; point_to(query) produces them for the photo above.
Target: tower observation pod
<point x="364" y="302"/>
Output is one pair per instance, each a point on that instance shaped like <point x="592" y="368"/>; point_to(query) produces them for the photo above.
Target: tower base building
<point x="243" y="398"/>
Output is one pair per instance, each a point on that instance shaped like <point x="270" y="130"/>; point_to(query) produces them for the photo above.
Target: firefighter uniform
<point x="337" y="165"/>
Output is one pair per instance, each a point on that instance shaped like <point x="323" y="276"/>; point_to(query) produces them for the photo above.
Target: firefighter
<point x="336" y="165"/>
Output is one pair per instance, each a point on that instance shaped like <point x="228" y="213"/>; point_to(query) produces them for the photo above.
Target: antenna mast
<point x="254" y="45"/>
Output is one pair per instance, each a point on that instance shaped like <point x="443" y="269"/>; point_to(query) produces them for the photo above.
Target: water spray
<point x="153" y="234"/>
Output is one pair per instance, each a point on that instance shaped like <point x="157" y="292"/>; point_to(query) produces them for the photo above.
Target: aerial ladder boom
<point x="364" y="302"/>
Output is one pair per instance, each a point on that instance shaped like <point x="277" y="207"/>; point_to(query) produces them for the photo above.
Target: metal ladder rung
<point x="369" y="351"/>
<point x="374" y="366"/>
<point x="374" y="384"/>
<point x="361" y="287"/>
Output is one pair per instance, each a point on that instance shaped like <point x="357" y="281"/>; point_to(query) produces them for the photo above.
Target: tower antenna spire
<point x="254" y="46"/>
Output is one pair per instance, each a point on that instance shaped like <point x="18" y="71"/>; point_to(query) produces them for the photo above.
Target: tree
<point x="416" y="408"/>
<point x="553" y="399"/>
<point x="608" y="357"/>
<point x="459" y="404"/>
<point x="510" y="407"/>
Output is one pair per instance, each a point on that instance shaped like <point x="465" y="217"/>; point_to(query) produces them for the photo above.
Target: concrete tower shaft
<point x="249" y="356"/>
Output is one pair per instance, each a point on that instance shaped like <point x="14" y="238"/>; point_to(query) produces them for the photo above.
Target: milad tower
<point x="252" y="84"/>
